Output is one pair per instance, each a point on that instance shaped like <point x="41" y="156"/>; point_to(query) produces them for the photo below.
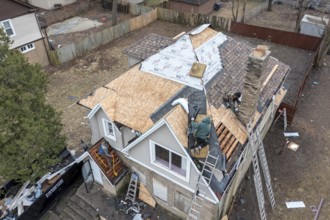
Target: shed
<point x="313" y="25"/>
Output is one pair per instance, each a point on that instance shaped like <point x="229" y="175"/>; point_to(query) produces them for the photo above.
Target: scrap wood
<point x="145" y="196"/>
<point x="225" y="217"/>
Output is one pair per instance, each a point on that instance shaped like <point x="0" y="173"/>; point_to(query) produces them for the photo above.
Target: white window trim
<point x="11" y="26"/>
<point x="105" y="128"/>
<point x="155" y="163"/>
<point x="27" y="49"/>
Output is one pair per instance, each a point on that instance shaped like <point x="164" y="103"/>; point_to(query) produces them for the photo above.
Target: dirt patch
<point x="72" y="81"/>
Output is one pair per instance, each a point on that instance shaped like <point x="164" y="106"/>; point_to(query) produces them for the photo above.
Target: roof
<point x="148" y="46"/>
<point x="175" y="61"/>
<point x="234" y="56"/>
<point x="139" y="99"/>
<point x="192" y="2"/>
<point x="11" y="8"/>
<point x="133" y="97"/>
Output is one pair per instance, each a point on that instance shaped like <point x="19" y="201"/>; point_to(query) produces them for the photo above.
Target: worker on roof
<point x="201" y="132"/>
<point x="104" y="152"/>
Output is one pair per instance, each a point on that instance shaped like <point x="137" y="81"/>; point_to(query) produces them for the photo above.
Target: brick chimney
<point x="253" y="82"/>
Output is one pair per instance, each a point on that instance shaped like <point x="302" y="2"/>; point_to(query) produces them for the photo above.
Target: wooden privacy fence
<point x="145" y="16"/>
<point x="191" y="19"/>
<point x="291" y="39"/>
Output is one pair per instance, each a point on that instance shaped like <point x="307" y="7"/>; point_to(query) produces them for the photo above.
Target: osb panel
<point x="92" y="100"/>
<point x="280" y="96"/>
<point x="178" y="120"/>
<point x="199" y="39"/>
<point x="230" y="121"/>
<point x="136" y="95"/>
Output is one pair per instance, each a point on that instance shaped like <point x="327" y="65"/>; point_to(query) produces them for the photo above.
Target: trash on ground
<point x="293" y="146"/>
<point x="294" y="205"/>
<point x="291" y="134"/>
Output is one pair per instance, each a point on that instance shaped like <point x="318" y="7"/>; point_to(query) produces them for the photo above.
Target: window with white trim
<point x="8" y="28"/>
<point x="27" y="48"/>
<point x="169" y="160"/>
<point x="109" y="129"/>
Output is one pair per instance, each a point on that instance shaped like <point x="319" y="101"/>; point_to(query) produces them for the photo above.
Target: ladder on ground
<point x="204" y="180"/>
<point x="132" y="188"/>
<point x="257" y="147"/>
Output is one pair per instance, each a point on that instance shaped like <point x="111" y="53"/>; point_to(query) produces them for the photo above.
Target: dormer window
<point x="8" y="28"/>
<point x="109" y="129"/>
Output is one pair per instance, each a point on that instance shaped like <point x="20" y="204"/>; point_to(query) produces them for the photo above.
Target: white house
<point x="19" y="22"/>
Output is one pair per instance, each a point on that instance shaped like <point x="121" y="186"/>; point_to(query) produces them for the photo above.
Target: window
<point x="109" y="129"/>
<point x="8" y="28"/>
<point x="169" y="159"/>
<point x="27" y="47"/>
<point x="160" y="191"/>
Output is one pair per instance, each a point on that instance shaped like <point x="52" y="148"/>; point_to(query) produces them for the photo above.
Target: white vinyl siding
<point x="8" y="28"/>
<point x="26" y="30"/>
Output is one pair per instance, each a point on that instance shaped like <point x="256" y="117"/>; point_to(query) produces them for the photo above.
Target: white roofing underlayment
<point x="175" y="61"/>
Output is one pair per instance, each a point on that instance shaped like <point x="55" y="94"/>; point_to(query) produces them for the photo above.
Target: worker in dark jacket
<point x="201" y="132"/>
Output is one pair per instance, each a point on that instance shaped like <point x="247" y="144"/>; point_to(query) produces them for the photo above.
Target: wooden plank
<point x="145" y="196"/>
<point x="225" y="217"/>
<point x="230" y="121"/>
<point x="227" y="138"/>
<point x="202" y="152"/>
<point x="280" y="96"/>
<point x="220" y="129"/>
<point x="269" y="76"/>
<point x="232" y="148"/>
<point x="224" y="133"/>
<point x="232" y="140"/>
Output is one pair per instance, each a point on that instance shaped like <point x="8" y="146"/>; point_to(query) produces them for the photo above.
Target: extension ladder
<point x="132" y="188"/>
<point x="202" y="186"/>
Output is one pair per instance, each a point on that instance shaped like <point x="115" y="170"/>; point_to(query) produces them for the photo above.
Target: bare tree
<point x="114" y="12"/>
<point x="300" y="14"/>
<point x="234" y="9"/>
<point x="324" y="46"/>
<point x="243" y="11"/>
<point x="270" y="3"/>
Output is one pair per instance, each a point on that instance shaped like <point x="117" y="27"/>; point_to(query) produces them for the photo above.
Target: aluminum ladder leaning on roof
<point x="256" y="146"/>
<point x="202" y="188"/>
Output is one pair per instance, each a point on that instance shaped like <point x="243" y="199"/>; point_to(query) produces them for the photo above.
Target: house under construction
<point x="151" y="114"/>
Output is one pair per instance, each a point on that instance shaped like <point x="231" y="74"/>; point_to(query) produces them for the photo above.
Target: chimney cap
<point x="260" y="52"/>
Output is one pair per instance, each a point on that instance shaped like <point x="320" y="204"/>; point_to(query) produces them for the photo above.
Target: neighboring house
<point x="134" y="113"/>
<point x="192" y="6"/>
<point x="19" y="22"/>
<point x="50" y="4"/>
